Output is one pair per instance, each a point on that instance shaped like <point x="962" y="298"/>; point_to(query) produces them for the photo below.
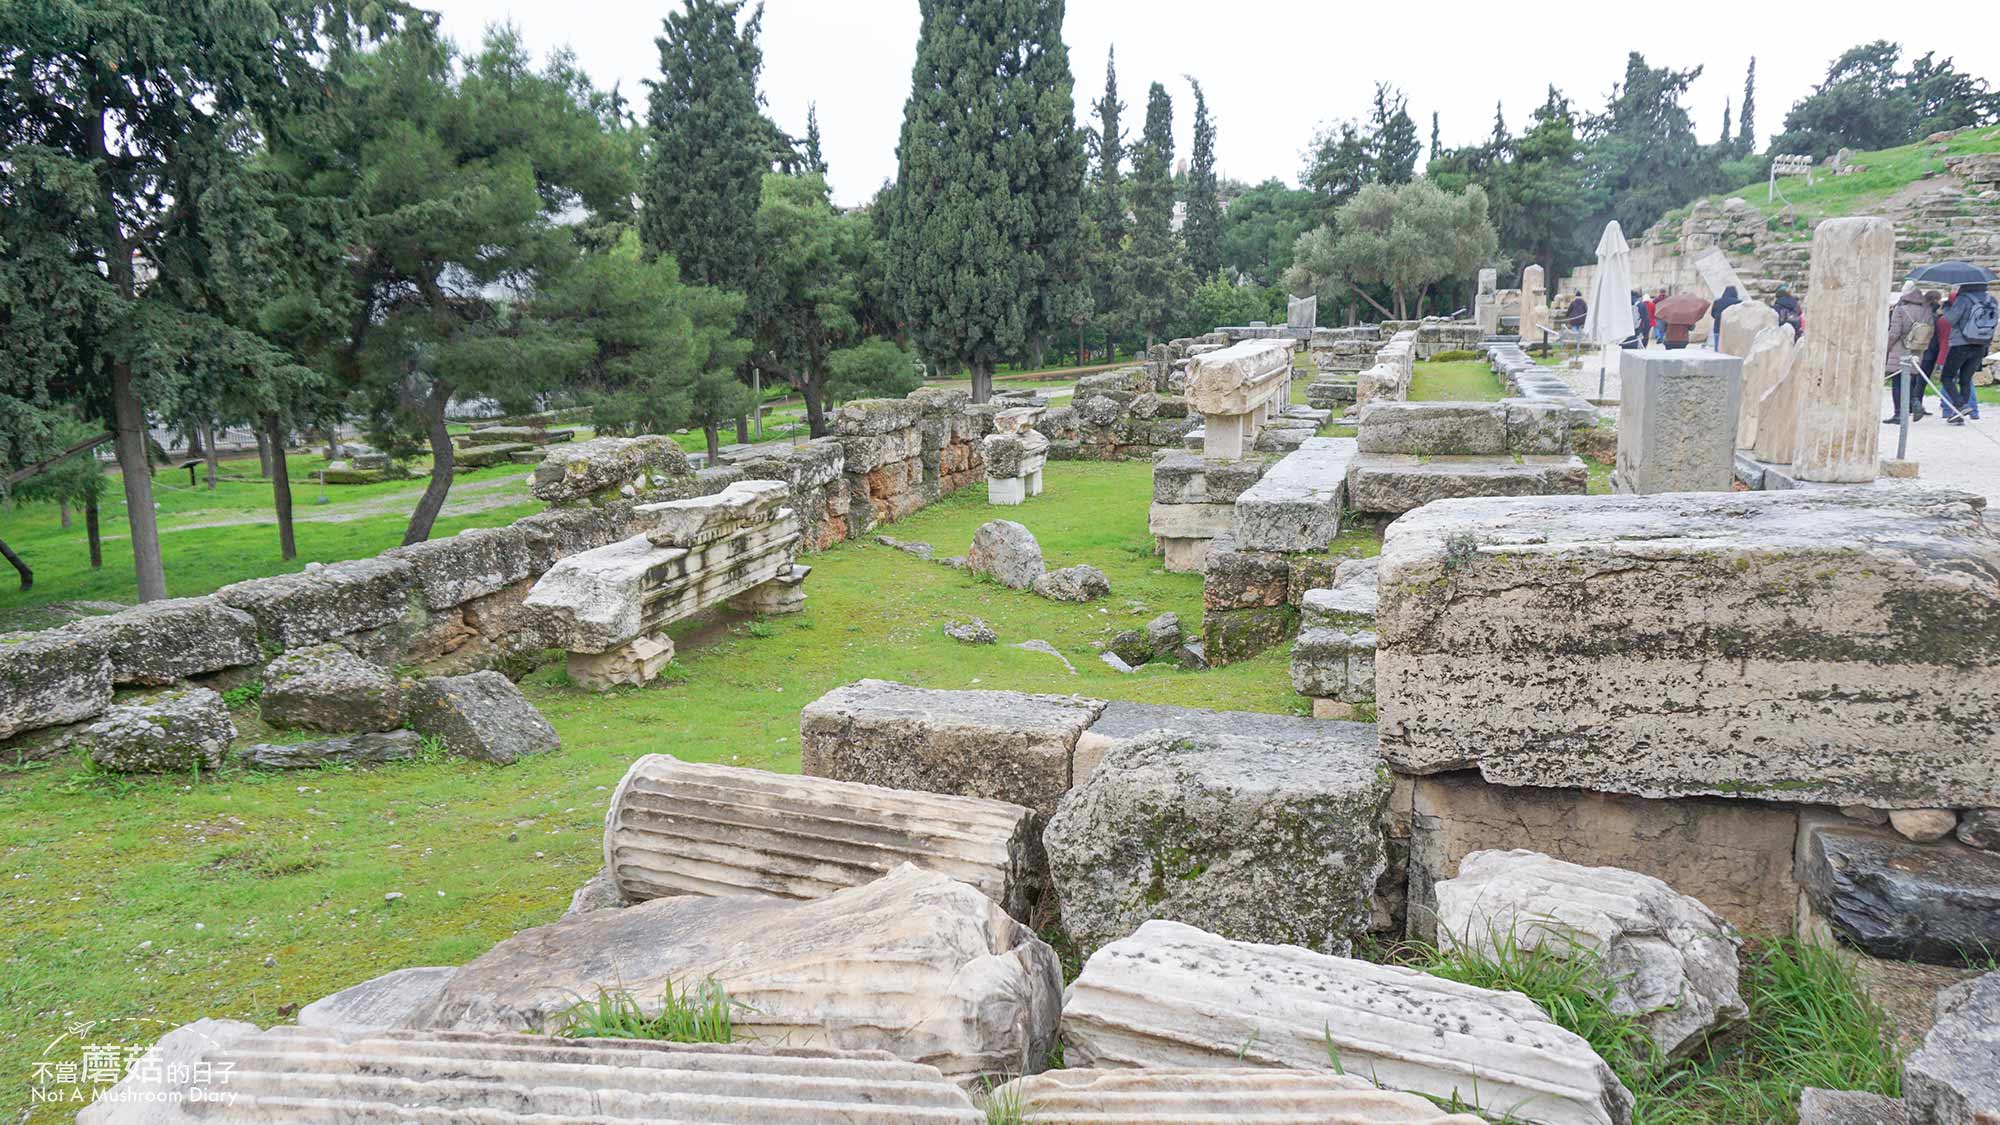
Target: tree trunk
<point x="62" y="507"/>
<point x="196" y="446"/>
<point x="743" y="429"/>
<point x="1079" y="346"/>
<point x="432" y="502"/>
<point x="92" y="532"/>
<point x="137" y="472"/>
<point x="263" y="455"/>
<point x="814" y="392"/>
<point x="757" y="393"/>
<point x="272" y="440"/>
<point x="982" y="380"/>
<point x="1040" y="351"/>
<point x="711" y="430"/>
<point x="27" y="574"/>
<point x="213" y="458"/>
<point x="1363" y="294"/>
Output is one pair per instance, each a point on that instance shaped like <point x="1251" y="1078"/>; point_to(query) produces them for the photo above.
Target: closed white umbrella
<point x="1609" y="321"/>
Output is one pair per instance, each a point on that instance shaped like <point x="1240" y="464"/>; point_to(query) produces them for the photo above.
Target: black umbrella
<point x="1953" y="273"/>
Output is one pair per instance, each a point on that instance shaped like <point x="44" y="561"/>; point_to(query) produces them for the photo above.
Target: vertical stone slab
<point x="1534" y="301"/>
<point x="1767" y="364"/>
<point x="1853" y="263"/>
<point x="1741" y="323"/>
<point x="1486" y="304"/>
<point x="1677" y="421"/>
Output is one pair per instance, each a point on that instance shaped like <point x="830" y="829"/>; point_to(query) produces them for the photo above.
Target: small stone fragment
<point x="1953" y="1079"/>
<point x="973" y="632"/>
<point x="1073" y="584"/>
<point x="1923" y="825"/>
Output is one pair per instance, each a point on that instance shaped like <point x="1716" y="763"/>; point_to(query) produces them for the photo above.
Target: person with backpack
<point x="1933" y="353"/>
<point x="1787" y="307"/>
<point x="1910" y="331"/>
<point x="1972" y="317"/>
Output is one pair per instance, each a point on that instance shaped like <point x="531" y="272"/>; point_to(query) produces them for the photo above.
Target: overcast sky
<point x="1272" y="69"/>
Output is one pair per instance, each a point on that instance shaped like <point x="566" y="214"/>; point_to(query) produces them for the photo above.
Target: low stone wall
<point x="1128" y="412"/>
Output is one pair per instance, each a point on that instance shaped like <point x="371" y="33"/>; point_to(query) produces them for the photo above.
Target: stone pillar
<point x="1534" y="302"/>
<point x="1677" y="419"/>
<point x="1853" y="264"/>
<point x="1486" y="304"/>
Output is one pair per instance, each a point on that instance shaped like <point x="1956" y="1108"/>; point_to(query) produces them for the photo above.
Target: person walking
<point x="1642" y="324"/>
<point x="1715" y="312"/>
<point x="1972" y="316"/>
<point x="1678" y="315"/>
<point x="1579" y="311"/>
<point x="1933" y="352"/>
<point x="1787" y="307"/>
<point x="1653" y="312"/>
<point x="1910" y="330"/>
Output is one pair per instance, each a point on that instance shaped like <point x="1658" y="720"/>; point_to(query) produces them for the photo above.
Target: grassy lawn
<point x="245" y="894"/>
<point x="1884" y="172"/>
<point x="1460" y="380"/>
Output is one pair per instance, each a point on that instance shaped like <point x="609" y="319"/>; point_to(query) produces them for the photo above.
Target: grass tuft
<point x="701" y="1013"/>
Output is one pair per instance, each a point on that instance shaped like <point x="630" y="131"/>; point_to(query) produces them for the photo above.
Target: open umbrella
<point x="1609" y="322"/>
<point x="1953" y="273"/>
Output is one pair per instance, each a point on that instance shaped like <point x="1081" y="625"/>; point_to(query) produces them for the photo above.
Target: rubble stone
<point x="1072" y="584"/>
<point x="1951" y="1080"/>
<point x="369" y="749"/>
<point x="329" y="688"/>
<point x="1006" y="552"/>
<point x="1893" y="898"/>
<point x="155" y="644"/>
<point x="1848" y="1107"/>
<point x="481" y="716"/>
<point x="167" y="732"/>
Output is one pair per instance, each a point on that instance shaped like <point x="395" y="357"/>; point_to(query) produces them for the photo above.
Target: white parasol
<point x="1609" y="321"/>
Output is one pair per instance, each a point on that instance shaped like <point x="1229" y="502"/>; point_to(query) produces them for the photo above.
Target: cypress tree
<point x="1107" y="197"/>
<point x="1726" y="138"/>
<point x="1746" y="121"/>
<point x="1434" y="135"/>
<point x="1159" y="278"/>
<point x="711" y="145"/>
<point x="815" y="160"/>
<point x="982" y="151"/>
<point x="1203" y="226"/>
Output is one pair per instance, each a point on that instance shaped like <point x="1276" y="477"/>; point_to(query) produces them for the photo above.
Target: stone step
<point x="679" y="828"/>
<point x="299" y="1074"/>
<point x="1400" y="482"/>
<point x="1199" y="1096"/>
<point x="1171" y="995"/>
<point x="1296" y="506"/>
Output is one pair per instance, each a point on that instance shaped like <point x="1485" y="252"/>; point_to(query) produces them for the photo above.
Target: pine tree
<point x="1203" y="225"/>
<point x="982" y="148"/>
<point x="1746" y="122"/>
<point x="710" y="145"/>
<point x="1392" y="138"/>
<point x="1159" y="276"/>
<point x="1435" y="148"/>
<point x="815" y="160"/>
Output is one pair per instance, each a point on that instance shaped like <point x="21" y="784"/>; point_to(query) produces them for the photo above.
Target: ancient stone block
<point x="613" y="467"/>
<point x="561" y="532"/>
<point x="51" y="678"/>
<point x="1741" y="324"/>
<point x="1238" y="579"/>
<point x="481" y="716"/>
<point x="1427" y="428"/>
<point x="1767" y="363"/>
<point x="391" y="1000"/>
<point x="1841" y="644"/>
<point x="1840" y="368"/>
<point x="688" y="828"/>
<point x="1672" y="960"/>
<point x="166" y="732"/>
<point x="1253" y="840"/>
<point x="1173" y="996"/>
<point x="468" y="565"/>
<point x="1402" y="482"/>
<point x="298" y="1073"/>
<point x="837" y="971"/>
<point x="1191" y="521"/>
<point x="1677" y="418"/>
<point x="1935" y="902"/>
<point x="324" y="602"/>
<point x="1334" y="663"/>
<point x="329" y="688"/>
<point x="1201" y="1096"/>
<point x="1952" y="1079"/>
<point x="1848" y="1107"/>
<point x="1230" y="635"/>
<point x="637" y="662"/>
<point x="1003" y="745"/>
<point x="156" y="643"/>
<point x="876" y="416"/>
<point x="1296" y="506"/>
<point x="700" y="520"/>
<point x="369" y="749"/>
<point x="1006" y="552"/>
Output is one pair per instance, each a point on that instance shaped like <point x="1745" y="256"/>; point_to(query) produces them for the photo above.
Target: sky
<point x="1273" y="70"/>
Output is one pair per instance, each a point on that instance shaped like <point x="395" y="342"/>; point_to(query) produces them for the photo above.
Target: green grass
<point x="108" y="878"/>
<point x="1809" y="1025"/>
<point x="1884" y="172"/>
<point x="1465" y="380"/>
<point x="700" y="1013"/>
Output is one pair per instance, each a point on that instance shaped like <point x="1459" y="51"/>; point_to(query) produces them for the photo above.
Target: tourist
<point x="1788" y="310"/>
<point x="1971" y="316"/>
<point x="1722" y="303"/>
<point x="1653" y="310"/>
<point x="1910" y="321"/>
<point x="1933" y="351"/>
<point x="1642" y="321"/>
<point x="1578" y="312"/>
<point x="1677" y="315"/>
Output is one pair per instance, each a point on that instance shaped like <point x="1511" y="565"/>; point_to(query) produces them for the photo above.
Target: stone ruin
<point x="1015" y="454"/>
<point x="1411" y="453"/>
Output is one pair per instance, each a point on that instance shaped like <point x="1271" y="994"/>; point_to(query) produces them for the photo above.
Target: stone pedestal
<point x="1534" y="304"/>
<point x="1014" y="462"/>
<point x="784" y="594"/>
<point x="1677" y="420"/>
<point x="637" y="661"/>
<point x="1486" y="304"/>
<point x="1839" y="428"/>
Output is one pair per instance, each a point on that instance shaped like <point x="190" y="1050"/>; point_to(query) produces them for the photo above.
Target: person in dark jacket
<point x="1788" y="310"/>
<point x="1971" y="317"/>
<point x="1715" y="312"/>
<point x="1642" y="322"/>
<point x="1934" y="351"/>
<point x="1579" y="311"/>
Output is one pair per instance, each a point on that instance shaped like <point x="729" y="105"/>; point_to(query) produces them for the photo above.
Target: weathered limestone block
<point x="1201" y="1096"/>
<point x="1014" y="463"/>
<point x="1123" y="722"/>
<point x="391" y="1000"/>
<point x="167" y="732"/>
<point x="329" y="688"/>
<point x="1336" y="664"/>
<point x="1768" y="363"/>
<point x="1742" y="323"/>
<point x="1181" y="477"/>
<point x="635" y="663"/>
<point x="51" y="678"/>
<point x="1840" y="368"/>
<point x="1238" y="578"/>
<point x="1849" y="1107"/>
<point x="1003" y="745"/>
<point x="1677" y="418"/>
<point x="321" y="603"/>
<point x="309" y="1074"/>
<point x="784" y="593"/>
<point x="471" y="564"/>
<point x="687" y="828"/>
<point x="484" y="456"/>
<point x="1191" y="521"/>
<point x="1952" y="1079"/>
<point x="838" y="971"/>
<point x="1235" y="389"/>
<point x="1404" y="482"/>
<point x="1841" y="644"/>
<point x="1239" y="634"/>
<point x="1739" y="853"/>
<point x="1254" y="840"/>
<point x="1173" y="996"/>
<point x="1428" y="428"/>
<point x="700" y="520"/>
<point x="369" y="749"/>
<point x="1072" y="584"/>
<point x="1894" y="898"/>
<point x="1672" y="960"/>
<point x="560" y="532"/>
<point x="1006" y="552"/>
<point x="1539" y="426"/>
<point x="873" y="417"/>
<point x="481" y="716"/>
<point x="1296" y="506"/>
<point x="612" y="467"/>
<point x="156" y="643"/>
